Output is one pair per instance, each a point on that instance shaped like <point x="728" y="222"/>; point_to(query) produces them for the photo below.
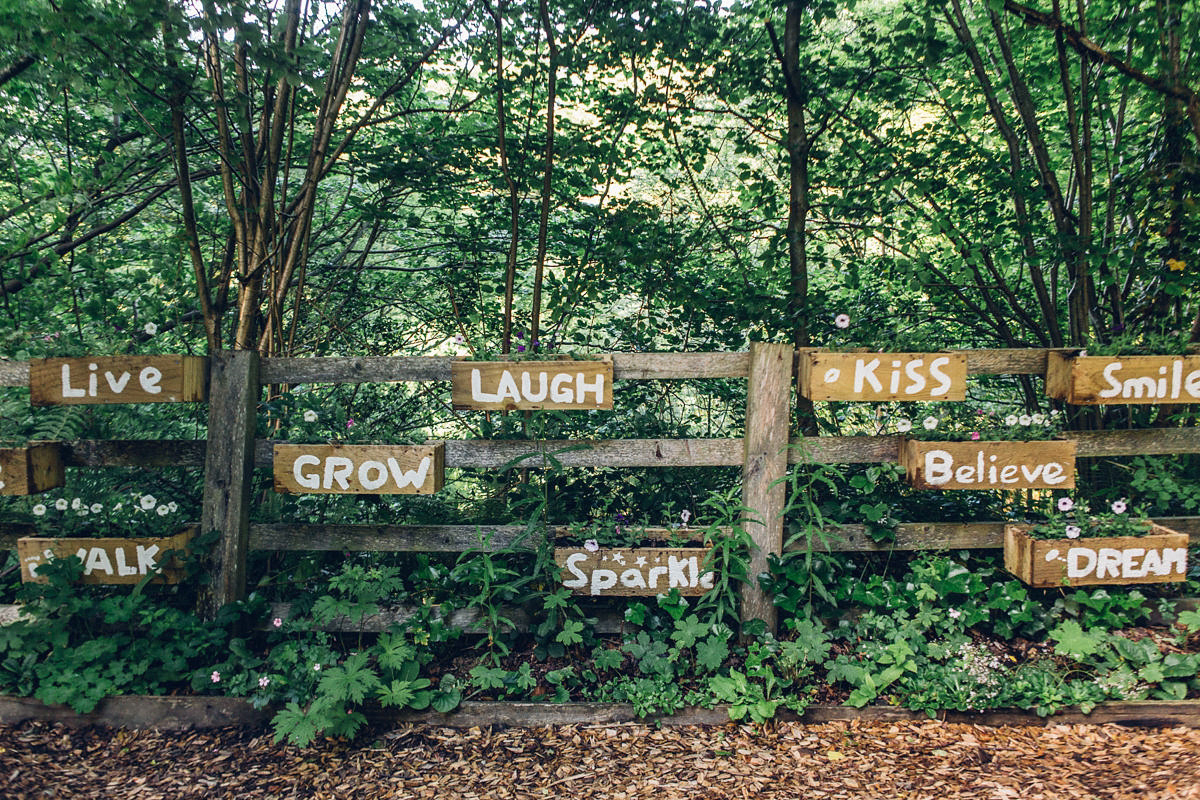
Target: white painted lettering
<point x="372" y="475"/>
<point x="1075" y="555"/>
<point x="97" y="560"/>
<point x="943" y="380"/>
<point x="149" y="379"/>
<point x="939" y="467"/>
<point x="557" y="393"/>
<point x="580" y="580"/>
<point x="412" y="477"/>
<point x="67" y="389"/>
<point x="337" y="468"/>
<point x="478" y="395"/>
<point x="146" y="558"/>
<point x="596" y="387"/>
<point x="912" y="372"/>
<point x="603" y="579"/>
<point x="311" y="480"/>
<point x="864" y="372"/>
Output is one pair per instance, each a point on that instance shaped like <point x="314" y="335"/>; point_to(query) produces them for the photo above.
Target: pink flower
<point x="216" y="677"/>
<point x="974" y="436"/>
<point x="277" y="622"/>
<point x="350" y="423"/>
<point x="1065" y="504"/>
<point x="1119" y="507"/>
<point x="842" y="320"/>
<point x="264" y="682"/>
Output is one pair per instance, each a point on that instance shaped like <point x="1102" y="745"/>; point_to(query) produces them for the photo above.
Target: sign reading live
<point x="883" y="376"/>
<point x="989" y="465"/>
<point x="117" y="379"/>
<point x="634" y="572"/>
<point x="1093" y="380"/>
<point x="107" y="561"/>
<point x="531" y="385"/>
<point x="359" y="468"/>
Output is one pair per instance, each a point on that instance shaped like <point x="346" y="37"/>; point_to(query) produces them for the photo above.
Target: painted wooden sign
<point x="31" y="469"/>
<point x="1156" y="557"/>
<point x="1094" y="380"/>
<point x="634" y="572"/>
<point x="117" y="379"/>
<point x="883" y="376"/>
<point x="989" y="465"/>
<point x="530" y="385"/>
<point x="359" y="468"/>
<point x="107" y="561"/>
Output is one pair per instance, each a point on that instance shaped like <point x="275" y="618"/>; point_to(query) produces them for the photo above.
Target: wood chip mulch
<point x="786" y="760"/>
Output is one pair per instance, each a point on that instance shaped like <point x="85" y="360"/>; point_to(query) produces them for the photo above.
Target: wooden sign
<point x="1156" y="557"/>
<point x="359" y="468"/>
<point x="989" y="465"/>
<point x="526" y="385"/>
<point x="634" y="572"/>
<point x="1093" y="380"/>
<point x="117" y="379"/>
<point x="883" y="376"/>
<point x="107" y="561"/>
<point x="29" y="470"/>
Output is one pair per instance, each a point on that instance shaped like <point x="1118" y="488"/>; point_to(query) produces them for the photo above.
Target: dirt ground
<point x="785" y="760"/>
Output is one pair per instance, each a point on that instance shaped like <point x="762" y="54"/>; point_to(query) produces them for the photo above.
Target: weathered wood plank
<point x="878" y="377"/>
<point x="141" y="712"/>
<point x="562" y="385"/>
<point x="359" y="468"/>
<point x="765" y="460"/>
<point x="117" y="379"/>
<point x="389" y="538"/>
<point x="14" y="374"/>
<point x="499" y="453"/>
<point x="989" y="465"/>
<point x="634" y="571"/>
<point x="229" y="462"/>
<point x="1146" y="441"/>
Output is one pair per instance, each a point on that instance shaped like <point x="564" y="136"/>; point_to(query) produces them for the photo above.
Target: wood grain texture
<point x="359" y="468"/>
<point x="989" y="465"/>
<point x="117" y="379"/>
<point x="108" y="561"/>
<point x="228" y="468"/>
<point x="634" y="572"/>
<point x="14" y="373"/>
<point x="1114" y="561"/>
<point x="1142" y="380"/>
<point x="390" y="538"/>
<point x="532" y="385"/>
<point x="765" y="461"/>
<point x="32" y="469"/>
<point x="879" y="377"/>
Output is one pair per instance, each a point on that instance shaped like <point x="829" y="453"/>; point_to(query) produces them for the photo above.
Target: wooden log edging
<point x="181" y="713"/>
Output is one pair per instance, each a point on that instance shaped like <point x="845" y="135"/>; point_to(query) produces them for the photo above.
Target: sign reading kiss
<point x="878" y="377"/>
<point x="359" y="469"/>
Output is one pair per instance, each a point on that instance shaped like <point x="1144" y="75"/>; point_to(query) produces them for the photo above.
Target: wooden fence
<point x="230" y="454"/>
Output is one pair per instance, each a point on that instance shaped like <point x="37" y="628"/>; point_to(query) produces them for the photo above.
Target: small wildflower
<point x="172" y="507"/>
<point x="76" y="504"/>
<point x="216" y="677"/>
<point x="685" y="515"/>
<point x="1039" y="419"/>
<point x="520" y="348"/>
<point x="1025" y="420"/>
<point x="842" y="320"/>
<point x="264" y="682"/>
<point x="350" y="422"/>
<point x="96" y="508"/>
<point x="39" y="510"/>
<point x="310" y="416"/>
<point x="1119" y="507"/>
<point x="903" y="425"/>
<point x="1073" y="531"/>
<point x="147" y="502"/>
<point x="930" y="423"/>
<point x="277" y="622"/>
<point x="118" y="506"/>
<point x="1176" y="265"/>
<point x="591" y="545"/>
<point x="61" y="504"/>
<point x="150" y="328"/>
<point x="1065" y="504"/>
<point x="954" y="613"/>
<point x="975" y="436"/>
<point x="1010" y="420"/>
<point x="317" y="667"/>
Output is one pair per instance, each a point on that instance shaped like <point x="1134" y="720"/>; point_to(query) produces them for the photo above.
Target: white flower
<point x="172" y="507"/>
<point x="1025" y="420"/>
<point x="264" y="682"/>
<point x="904" y="425"/>
<point x="930" y="423"/>
<point x="96" y="508"/>
<point x="39" y="510"/>
<point x="1039" y="419"/>
<point x="1010" y="420"/>
<point x="842" y="320"/>
<point x="954" y="613"/>
<point x="118" y="506"/>
<point x="163" y="511"/>
<point x="1119" y="507"/>
<point x="685" y="515"/>
<point x="76" y="504"/>
<point x="150" y="328"/>
<point x="61" y="504"/>
<point x="1073" y="531"/>
<point x="310" y="416"/>
<point x="317" y="667"/>
<point x="1065" y="504"/>
<point x="147" y="502"/>
<point x="591" y="545"/>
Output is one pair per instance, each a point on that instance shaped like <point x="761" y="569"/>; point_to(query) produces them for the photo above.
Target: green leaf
<point x="295" y="725"/>
<point x="712" y="652"/>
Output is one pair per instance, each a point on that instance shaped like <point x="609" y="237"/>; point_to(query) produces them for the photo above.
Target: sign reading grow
<point x="883" y="376"/>
<point x="989" y="465"/>
<point x="117" y="379"/>
<point x="1157" y="557"/>
<point x="108" y="561"/>
<point x="1093" y="380"/>
<point x="529" y="385"/>
<point x="29" y="470"/>
<point x="637" y="571"/>
<point x="359" y="469"/>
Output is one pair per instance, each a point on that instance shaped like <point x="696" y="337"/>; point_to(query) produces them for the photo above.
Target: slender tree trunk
<point x="547" y="176"/>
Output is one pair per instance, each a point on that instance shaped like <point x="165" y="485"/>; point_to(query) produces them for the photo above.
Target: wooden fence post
<point x="228" y="467"/>
<point x="764" y="494"/>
